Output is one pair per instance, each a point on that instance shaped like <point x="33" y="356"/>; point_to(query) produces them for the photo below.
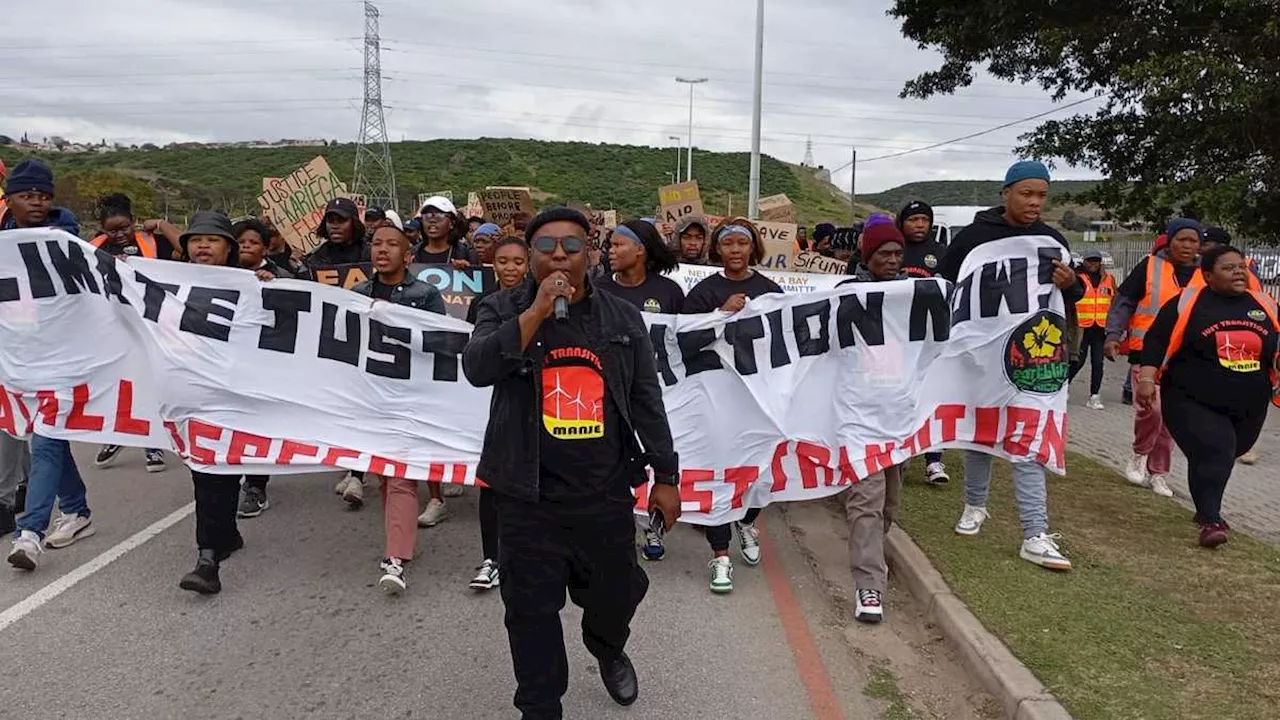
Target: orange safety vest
<point x="1187" y="303"/>
<point x="146" y="243"/>
<point x="1096" y="303"/>
<point x="1162" y="286"/>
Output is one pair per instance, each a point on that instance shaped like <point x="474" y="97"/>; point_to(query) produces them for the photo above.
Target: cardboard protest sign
<point x="777" y="208"/>
<point x="458" y="287"/>
<point x="602" y="221"/>
<point x="296" y="202"/>
<point x="677" y="201"/>
<point x="779" y="244"/>
<point x="503" y="203"/>
<point x="475" y="208"/>
<point x="809" y="261"/>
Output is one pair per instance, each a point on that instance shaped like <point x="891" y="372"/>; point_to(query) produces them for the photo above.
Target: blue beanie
<point x="30" y="175"/>
<point x="1026" y="170"/>
<point x="1179" y="224"/>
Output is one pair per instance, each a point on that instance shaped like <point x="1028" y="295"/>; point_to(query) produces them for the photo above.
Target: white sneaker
<point x="1160" y="486"/>
<point x="721" y="574"/>
<point x="971" y="520"/>
<point x="936" y="474"/>
<point x="1136" y="470"/>
<point x="749" y="542"/>
<point x="341" y="487"/>
<point x="433" y="515"/>
<point x="451" y="490"/>
<point x="1095" y="403"/>
<point x="486" y="576"/>
<point x="870" y="607"/>
<point x="1043" y="551"/>
<point x="1250" y="457"/>
<point x="392" y="580"/>
<point x="354" y="493"/>
<point x="68" y="529"/>
<point x="26" y="551"/>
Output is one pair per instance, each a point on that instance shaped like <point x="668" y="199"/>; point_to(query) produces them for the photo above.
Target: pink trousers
<point x="400" y="516"/>
<point x="1150" y="437"/>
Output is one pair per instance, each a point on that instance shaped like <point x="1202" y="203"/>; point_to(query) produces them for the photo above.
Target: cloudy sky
<point x="160" y="71"/>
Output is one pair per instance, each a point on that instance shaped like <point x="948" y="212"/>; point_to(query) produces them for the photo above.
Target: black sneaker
<point x="253" y="503"/>
<point x="107" y="455"/>
<point x="204" y="579"/>
<point x="155" y="461"/>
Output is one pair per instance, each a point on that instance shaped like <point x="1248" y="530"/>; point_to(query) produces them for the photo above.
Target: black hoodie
<point x="990" y="225"/>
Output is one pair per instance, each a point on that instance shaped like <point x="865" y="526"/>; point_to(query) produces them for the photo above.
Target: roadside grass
<point x="1148" y="624"/>
<point x="882" y="684"/>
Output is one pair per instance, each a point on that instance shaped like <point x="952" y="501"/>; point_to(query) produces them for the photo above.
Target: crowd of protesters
<point x="1201" y="342"/>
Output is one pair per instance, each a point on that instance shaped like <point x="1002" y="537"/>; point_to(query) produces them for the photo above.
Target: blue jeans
<point x="1028" y="488"/>
<point x="53" y="476"/>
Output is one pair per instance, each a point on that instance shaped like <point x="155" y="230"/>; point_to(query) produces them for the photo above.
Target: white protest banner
<point x="296" y="203"/>
<point x="503" y="203"/>
<point x="793" y="398"/>
<point x="790" y="282"/>
<point x="812" y="262"/>
<point x="779" y="244"/>
<point x="777" y="208"/>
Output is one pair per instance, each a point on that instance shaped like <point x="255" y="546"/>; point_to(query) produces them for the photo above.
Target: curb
<point x="1003" y="675"/>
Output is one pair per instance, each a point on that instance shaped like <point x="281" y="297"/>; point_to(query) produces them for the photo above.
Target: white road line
<point x="33" y="602"/>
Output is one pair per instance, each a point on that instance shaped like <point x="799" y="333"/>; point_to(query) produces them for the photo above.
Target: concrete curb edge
<point x="1003" y="675"/>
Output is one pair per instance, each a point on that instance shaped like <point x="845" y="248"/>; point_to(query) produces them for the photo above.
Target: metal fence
<point x="1126" y="254"/>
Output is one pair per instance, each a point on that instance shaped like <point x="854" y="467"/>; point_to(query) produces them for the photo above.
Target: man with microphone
<point x="575" y="418"/>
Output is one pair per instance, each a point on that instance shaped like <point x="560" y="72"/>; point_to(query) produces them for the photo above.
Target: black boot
<point x="204" y="579"/>
<point x="619" y="678"/>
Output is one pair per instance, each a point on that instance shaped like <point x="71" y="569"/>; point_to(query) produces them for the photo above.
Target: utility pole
<point x="753" y="194"/>
<point x="853" y="189"/>
<point x="808" y="154"/>
<point x="677" y="139"/>
<point x="691" y="82"/>
<point x="375" y="178"/>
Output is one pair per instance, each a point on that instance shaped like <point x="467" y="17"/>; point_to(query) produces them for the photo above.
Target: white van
<point x="949" y="220"/>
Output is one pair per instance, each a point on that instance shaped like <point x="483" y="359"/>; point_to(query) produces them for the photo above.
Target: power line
<point x="972" y="135"/>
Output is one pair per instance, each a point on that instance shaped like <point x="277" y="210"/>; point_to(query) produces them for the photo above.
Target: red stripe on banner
<point x="1028" y="419"/>
<point x="804" y="651"/>
<point x="987" y="426"/>
<point x="435" y="472"/>
<point x="779" y="475"/>
<point x="459" y="474"/>
<point x="1053" y="443"/>
<point x="198" y="430"/>
<point x="290" y="449"/>
<point x="258" y="447"/>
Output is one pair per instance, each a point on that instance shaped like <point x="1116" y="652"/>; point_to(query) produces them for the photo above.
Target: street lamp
<point x="753" y="193"/>
<point x="676" y="138"/>
<point x="690" y="82"/>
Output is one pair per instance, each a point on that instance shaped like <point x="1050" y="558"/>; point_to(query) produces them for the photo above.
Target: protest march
<point x="667" y="387"/>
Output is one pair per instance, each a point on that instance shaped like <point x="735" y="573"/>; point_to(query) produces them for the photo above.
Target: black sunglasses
<point x="571" y="244"/>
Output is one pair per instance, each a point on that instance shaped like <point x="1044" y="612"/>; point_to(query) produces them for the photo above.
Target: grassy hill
<point x="962" y="192"/>
<point x="621" y="177"/>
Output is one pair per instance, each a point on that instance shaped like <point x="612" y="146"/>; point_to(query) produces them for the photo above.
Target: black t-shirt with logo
<point x="1226" y="351"/>
<point x="921" y="259"/>
<point x="581" y="442"/>
<point x="714" y="290"/>
<point x="657" y="294"/>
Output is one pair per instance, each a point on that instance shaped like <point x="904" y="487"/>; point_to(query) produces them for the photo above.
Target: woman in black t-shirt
<point x="638" y="256"/>
<point x="736" y="246"/>
<point x="1214" y="352"/>
<point x="443" y="229"/>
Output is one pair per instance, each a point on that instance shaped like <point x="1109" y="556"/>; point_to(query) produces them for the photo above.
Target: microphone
<point x="561" y="304"/>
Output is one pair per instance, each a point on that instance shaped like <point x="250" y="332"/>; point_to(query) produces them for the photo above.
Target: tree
<point x="1070" y="220"/>
<point x="1188" y="91"/>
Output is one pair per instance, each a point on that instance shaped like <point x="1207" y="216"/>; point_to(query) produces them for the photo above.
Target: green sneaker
<point x="721" y="575"/>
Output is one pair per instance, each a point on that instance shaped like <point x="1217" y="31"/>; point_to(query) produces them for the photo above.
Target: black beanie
<point x="915" y="207"/>
<point x="555" y="214"/>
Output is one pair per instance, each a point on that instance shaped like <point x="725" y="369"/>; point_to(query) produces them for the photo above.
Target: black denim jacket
<point x="616" y="333"/>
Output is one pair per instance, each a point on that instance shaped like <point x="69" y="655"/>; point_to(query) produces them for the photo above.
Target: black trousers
<point x="489" y="524"/>
<point x="256" y="481"/>
<point x="718" y="536"/>
<point x="216" y="500"/>
<point x="1212" y="439"/>
<point x="588" y="548"/>
<point x="1091" y="342"/>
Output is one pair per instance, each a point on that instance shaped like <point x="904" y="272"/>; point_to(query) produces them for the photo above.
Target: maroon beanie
<point x="877" y="235"/>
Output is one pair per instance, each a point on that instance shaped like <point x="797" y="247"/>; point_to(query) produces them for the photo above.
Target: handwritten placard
<point x="296" y="202"/>
<point x="503" y="203"/>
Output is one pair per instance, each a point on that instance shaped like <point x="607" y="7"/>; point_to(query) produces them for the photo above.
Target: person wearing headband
<point x="736" y="247"/>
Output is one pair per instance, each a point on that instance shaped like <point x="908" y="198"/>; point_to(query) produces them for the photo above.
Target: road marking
<point x="33" y="602"/>
<point x="812" y="670"/>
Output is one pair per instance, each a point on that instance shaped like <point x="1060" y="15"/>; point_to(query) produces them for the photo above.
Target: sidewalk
<point x="1252" y="501"/>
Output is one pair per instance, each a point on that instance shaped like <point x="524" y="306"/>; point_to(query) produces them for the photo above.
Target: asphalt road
<point x="301" y="629"/>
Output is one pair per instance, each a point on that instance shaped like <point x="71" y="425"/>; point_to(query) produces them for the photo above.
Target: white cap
<point x="394" y="218"/>
<point x="440" y="203"/>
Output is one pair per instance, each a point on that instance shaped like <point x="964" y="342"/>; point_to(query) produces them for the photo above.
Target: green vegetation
<point x="963" y="192"/>
<point x="882" y="684"/>
<point x="621" y="177"/>
<point x="1148" y="625"/>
